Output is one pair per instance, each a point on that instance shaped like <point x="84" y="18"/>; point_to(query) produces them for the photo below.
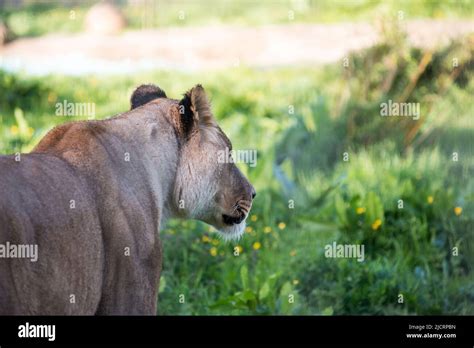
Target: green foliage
<point x="39" y="18"/>
<point x="43" y="17"/>
<point x="409" y="251"/>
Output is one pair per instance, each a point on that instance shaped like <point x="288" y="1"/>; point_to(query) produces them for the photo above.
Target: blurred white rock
<point x="104" y="18"/>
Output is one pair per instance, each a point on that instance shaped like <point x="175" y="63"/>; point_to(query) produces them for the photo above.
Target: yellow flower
<point x="14" y="130"/>
<point x="248" y="229"/>
<point x="360" y="210"/>
<point x="296" y="281"/>
<point x="253" y="218"/>
<point x="376" y="224"/>
<point x="293" y="253"/>
<point x="239" y="249"/>
<point x="213" y="251"/>
<point x="267" y="229"/>
<point x="215" y="242"/>
<point x="51" y="97"/>
<point x="457" y="211"/>
<point x="430" y="199"/>
<point x="206" y="239"/>
<point x="281" y="225"/>
<point x="257" y="245"/>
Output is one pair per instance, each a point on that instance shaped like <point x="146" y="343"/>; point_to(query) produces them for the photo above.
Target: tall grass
<point x="308" y="195"/>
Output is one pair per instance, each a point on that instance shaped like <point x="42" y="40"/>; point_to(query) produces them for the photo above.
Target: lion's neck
<point x="132" y="158"/>
<point x="154" y="158"/>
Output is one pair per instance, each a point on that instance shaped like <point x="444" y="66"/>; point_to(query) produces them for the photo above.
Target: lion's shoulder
<point x="69" y="135"/>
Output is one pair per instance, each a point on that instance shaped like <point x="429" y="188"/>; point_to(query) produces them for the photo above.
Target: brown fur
<point x="118" y="204"/>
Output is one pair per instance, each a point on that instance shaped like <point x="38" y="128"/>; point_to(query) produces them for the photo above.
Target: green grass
<point x="409" y="251"/>
<point x="39" y="18"/>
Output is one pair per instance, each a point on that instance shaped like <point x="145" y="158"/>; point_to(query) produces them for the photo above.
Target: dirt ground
<point x="210" y="47"/>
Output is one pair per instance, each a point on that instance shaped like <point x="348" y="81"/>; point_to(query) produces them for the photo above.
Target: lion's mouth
<point x="233" y="220"/>
<point x="241" y="210"/>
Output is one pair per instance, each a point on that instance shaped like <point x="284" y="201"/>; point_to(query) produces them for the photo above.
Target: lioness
<point x="92" y="196"/>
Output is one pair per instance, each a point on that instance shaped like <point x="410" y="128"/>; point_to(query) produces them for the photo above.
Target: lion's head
<point x="208" y="187"/>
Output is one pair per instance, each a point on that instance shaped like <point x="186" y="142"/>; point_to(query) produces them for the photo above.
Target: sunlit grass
<point x="303" y="204"/>
<point x="39" y="18"/>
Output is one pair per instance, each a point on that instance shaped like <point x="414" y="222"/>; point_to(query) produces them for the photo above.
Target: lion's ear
<point x="144" y="94"/>
<point x="195" y="110"/>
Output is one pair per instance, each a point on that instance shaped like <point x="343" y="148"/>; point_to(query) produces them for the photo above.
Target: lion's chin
<point x="230" y="233"/>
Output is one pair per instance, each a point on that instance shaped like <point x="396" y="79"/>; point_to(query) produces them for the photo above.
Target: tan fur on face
<point x="204" y="185"/>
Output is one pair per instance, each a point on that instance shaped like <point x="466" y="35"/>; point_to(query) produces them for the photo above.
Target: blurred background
<point x="301" y="82"/>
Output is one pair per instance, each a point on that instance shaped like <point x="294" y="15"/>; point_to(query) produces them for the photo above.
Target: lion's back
<point x="44" y="204"/>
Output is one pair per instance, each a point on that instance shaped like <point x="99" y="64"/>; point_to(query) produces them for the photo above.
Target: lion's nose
<point x="233" y="220"/>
